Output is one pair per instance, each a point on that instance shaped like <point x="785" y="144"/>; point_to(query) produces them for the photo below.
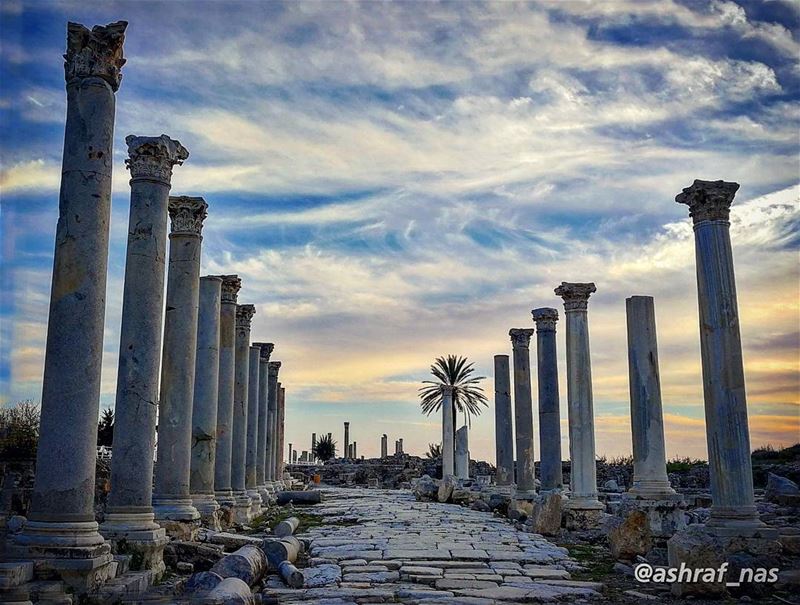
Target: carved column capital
<point x="231" y="284"/>
<point x="266" y="350"/>
<point x="520" y="337"/>
<point x="575" y="294"/>
<point x="95" y="53"/>
<point x="545" y="319"/>
<point x="244" y="315"/>
<point x="187" y="214"/>
<point x="154" y="157"/>
<point x="708" y="200"/>
<point x="272" y="369"/>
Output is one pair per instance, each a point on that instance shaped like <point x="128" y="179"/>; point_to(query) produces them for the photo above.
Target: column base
<point x="174" y="509"/>
<point x="207" y="506"/>
<point x="727" y="522"/>
<point x="255" y="502"/>
<point x="138" y="535"/>
<point x="225" y="497"/>
<point x="585" y="503"/>
<point x="664" y="515"/>
<point x="653" y="489"/>
<point x="523" y="494"/>
<point x="73" y="552"/>
<point x="242" y="508"/>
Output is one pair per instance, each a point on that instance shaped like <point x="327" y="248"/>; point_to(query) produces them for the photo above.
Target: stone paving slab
<point x="394" y="549"/>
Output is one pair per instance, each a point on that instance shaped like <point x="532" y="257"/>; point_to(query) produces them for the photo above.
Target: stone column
<point x="396" y="447"/>
<point x="171" y="499"/>
<point x="400" y="443"/>
<point x="647" y="421"/>
<point x="251" y="461"/>
<point x="313" y="445"/>
<point x="549" y="406"/>
<point x="503" y="423"/>
<point x="346" y="439"/>
<point x="275" y="453"/>
<point x="448" y="438"/>
<point x="129" y="517"/>
<point x="355" y="450"/>
<point x="244" y="315"/>
<point x="204" y="410"/>
<point x="583" y="475"/>
<point x="733" y="511"/>
<point x="264" y="429"/>
<point x="462" y="453"/>
<point x="231" y="284"/>
<point x="384" y="446"/>
<point x="61" y="523"/>
<point x="523" y="412"/>
<point x="281" y="425"/>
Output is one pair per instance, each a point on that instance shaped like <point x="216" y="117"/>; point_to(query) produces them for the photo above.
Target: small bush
<point x="19" y="431"/>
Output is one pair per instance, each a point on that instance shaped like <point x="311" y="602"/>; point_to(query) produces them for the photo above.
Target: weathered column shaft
<point x="549" y="410"/>
<point x="384" y="446"/>
<point x="448" y="438"/>
<point x="231" y="285"/>
<point x="251" y="461"/>
<point x="62" y="508"/>
<point x="583" y="476"/>
<point x="647" y="422"/>
<point x="347" y="440"/>
<point x="727" y="431"/>
<point x="462" y="453"/>
<point x="206" y="392"/>
<point x="171" y="499"/>
<point x="523" y="412"/>
<point x="503" y="423"/>
<point x="244" y="315"/>
<point x="281" y="426"/>
<point x="264" y="429"/>
<point x="130" y="512"/>
<point x="275" y="448"/>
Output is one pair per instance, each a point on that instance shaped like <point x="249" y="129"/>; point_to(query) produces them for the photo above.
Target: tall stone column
<point x="733" y="510"/>
<point x="204" y="410"/>
<point x="231" y="284"/>
<point x="61" y="521"/>
<point x="264" y="429"/>
<point x="448" y="438"/>
<point x="251" y="462"/>
<point x="129" y="517"/>
<point x="346" y="439"/>
<point x="462" y="453"/>
<point x="281" y="427"/>
<point x="355" y="450"/>
<point x="523" y="412"/>
<point x="647" y="421"/>
<point x="400" y="443"/>
<point x="313" y="446"/>
<point x="171" y="499"/>
<point x="503" y="423"/>
<point x="275" y="453"/>
<point x="384" y="446"/>
<point x="583" y="475"/>
<point x="244" y="315"/>
<point x="549" y="406"/>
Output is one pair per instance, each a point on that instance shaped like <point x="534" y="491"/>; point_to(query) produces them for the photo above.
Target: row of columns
<point x="733" y="511"/>
<point x="214" y="391"/>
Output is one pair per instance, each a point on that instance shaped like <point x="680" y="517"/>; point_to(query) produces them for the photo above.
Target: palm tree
<point x="434" y="451"/>
<point x="325" y="449"/>
<point x="457" y="372"/>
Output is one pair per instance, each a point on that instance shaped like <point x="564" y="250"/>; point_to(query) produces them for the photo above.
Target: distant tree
<point x="457" y="372"/>
<point x="325" y="448"/>
<point x="434" y="451"/>
<point x="19" y="431"/>
<point x="105" y="428"/>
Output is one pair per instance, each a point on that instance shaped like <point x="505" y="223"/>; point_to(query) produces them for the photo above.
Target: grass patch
<point x="276" y="514"/>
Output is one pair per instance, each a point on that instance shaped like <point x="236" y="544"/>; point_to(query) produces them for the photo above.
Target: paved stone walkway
<point x="401" y="550"/>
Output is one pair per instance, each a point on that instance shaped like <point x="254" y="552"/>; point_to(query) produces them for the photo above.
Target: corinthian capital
<point x="154" y="157"/>
<point x="231" y="284"/>
<point x="244" y="315"/>
<point x="708" y="200"/>
<point x="95" y="53"/>
<point x="520" y="337"/>
<point x="187" y="214"/>
<point x="575" y="295"/>
<point x="266" y="349"/>
<point x="272" y="369"/>
<point x="545" y="319"/>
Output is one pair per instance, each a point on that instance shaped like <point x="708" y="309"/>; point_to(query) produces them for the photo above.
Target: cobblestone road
<point x="383" y="547"/>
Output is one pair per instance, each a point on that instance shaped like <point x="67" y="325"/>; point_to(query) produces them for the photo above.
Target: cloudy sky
<point x="397" y="181"/>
